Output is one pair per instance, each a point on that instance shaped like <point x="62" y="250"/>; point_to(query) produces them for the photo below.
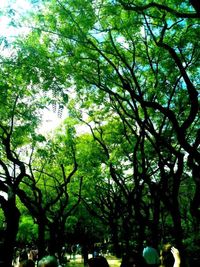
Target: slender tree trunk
<point x="156" y="216"/>
<point x="141" y="233"/>
<point x="195" y="202"/>
<point x="85" y="253"/>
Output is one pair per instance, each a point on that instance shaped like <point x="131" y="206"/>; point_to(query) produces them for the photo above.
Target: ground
<point x="78" y="262"/>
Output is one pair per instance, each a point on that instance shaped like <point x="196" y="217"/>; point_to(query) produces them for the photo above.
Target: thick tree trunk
<point x="56" y="242"/>
<point x="178" y="231"/>
<point x="12" y="216"/>
<point x="115" y="240"/>
<point x="52" y="245"/>
<point x="41" y="238"/>
<point x="172" y="205"/>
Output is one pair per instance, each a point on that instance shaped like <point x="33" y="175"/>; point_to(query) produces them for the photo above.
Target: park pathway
<point x="78" y="261"/>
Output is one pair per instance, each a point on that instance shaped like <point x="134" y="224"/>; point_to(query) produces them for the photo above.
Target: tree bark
<point x="12" y="216"/>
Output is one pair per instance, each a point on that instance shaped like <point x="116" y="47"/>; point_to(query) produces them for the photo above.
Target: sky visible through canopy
<point x="19" y="6"/>
<point x="50" y="119"/>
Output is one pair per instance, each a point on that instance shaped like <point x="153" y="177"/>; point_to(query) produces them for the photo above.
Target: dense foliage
<point x="127" y="72"/>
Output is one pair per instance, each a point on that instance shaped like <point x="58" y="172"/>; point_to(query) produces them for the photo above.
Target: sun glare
<point x="10" y="11"/>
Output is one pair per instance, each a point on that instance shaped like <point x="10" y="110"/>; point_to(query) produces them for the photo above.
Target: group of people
<point x="169" y="257"/>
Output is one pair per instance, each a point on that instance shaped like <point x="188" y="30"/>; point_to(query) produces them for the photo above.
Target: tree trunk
<point x="85" y="253"/>
<point x="12" y="216"/>
<point x="156" y="215"/>
<point x="115" y="240"/>
<point x="41" y="238"/>
<point x="178" y="231"/>
<point x="52" y="245"/>
<point x="195" y="202"/>
<point x="56" y="242"/>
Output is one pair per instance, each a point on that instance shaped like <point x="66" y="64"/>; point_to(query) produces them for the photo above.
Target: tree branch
<point x="137" y="8"/>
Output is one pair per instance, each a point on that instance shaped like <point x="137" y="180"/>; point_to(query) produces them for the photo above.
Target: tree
<point x="45" y="193"/>
<point x="138" y="62"/>
<point x="19" y="117"/>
